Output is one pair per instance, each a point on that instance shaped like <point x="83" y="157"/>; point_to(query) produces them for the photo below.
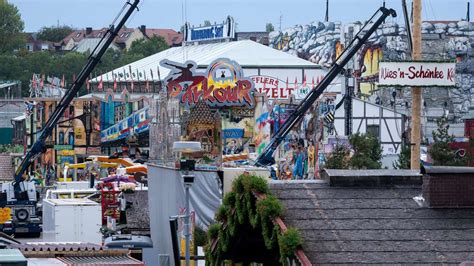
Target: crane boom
<point x="39" y="146"/>
<point x="266" y="157"/>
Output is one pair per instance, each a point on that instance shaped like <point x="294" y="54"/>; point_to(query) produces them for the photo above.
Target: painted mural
<point x="123" y="117"/>
<point x="295" y="156"/>
<point x="238" y="128"/>
<point x="78" y="127"/>
<point x="322" y="42"/>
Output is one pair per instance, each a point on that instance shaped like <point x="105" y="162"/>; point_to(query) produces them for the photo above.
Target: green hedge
<point x="239" y="207"/>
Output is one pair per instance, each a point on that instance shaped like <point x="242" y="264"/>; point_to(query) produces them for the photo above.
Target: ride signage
<point x="417" y="74"/>
<point x="221" y="85"/>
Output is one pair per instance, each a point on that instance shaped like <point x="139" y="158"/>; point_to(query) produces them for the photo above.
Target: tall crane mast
<point x="39" y="146"/>
<point x="266" y="157"/>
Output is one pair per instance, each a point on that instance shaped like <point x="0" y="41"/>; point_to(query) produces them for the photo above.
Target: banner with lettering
<point x="277" y="89"/>
<point x="225" y="30"/>
<point x="417" y="74"/>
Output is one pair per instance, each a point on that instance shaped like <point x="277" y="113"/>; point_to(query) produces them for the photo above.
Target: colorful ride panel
<point x="137" y="123"/>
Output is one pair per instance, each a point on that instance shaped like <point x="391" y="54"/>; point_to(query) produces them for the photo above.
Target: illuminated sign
<point x="418" y="74"/>
<point x="226" y="30"/>
<point x="222" y="84"/>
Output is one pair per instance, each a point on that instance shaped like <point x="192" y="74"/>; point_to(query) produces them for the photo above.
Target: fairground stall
<point x="230" y="96"/>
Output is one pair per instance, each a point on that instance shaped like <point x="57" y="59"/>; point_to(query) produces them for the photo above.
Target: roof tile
<point x="347" y="225"/>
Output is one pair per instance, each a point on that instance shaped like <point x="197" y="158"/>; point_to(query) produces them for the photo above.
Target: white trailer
<point x="72" y="220"/>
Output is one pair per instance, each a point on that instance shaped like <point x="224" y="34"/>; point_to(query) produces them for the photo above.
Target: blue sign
<point x="233" y="133"/>
<point x="225" y="30"/>
<point x="212" y="32"/>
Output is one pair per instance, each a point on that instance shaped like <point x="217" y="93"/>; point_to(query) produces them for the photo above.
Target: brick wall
<point x="449" y="189"/>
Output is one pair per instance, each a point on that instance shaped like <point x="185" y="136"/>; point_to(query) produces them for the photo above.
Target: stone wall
<point x="321" y="42"/>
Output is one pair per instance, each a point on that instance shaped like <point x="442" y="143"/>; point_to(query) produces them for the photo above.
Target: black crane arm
<point x="39" y="145"/>
<point x="266" y="157"/>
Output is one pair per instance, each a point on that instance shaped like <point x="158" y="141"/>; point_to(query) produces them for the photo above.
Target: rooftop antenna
<point x="326" y="18"/>
<point x="468" y="17"/>
<point x="281" y="18"/>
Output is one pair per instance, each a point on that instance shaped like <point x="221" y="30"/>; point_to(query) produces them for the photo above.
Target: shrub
<point x="338" y="159"/>
<point x="367" y="152"/>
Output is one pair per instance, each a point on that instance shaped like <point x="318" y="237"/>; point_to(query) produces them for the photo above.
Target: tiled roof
<point x="124" y="34"/>
<point x="171" y="36"/>
<point x="54" y="249"/>
<point x="357" y="225"/>
<point x="57" y="246"/>
<point x="78" y="35"/>
<point x="89" y="44"/>
<point x="100" y="260"/>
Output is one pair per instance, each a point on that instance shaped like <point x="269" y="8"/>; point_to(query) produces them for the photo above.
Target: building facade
<point x="73" y="138"/>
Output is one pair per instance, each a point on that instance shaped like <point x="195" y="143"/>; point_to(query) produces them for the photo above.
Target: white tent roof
<point x="246" y="53"/>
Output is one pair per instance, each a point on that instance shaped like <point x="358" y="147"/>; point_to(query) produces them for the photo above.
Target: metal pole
<point x="186" y="226"/>
<point x="416" y="91"/>
<point x="174" y="240"/>
<point x="407" y="26"/>
<point x="326" y="18"/>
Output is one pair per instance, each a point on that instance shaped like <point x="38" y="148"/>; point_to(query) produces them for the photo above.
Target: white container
<point x="232" y="173"/>
<point x="72" y="220"/>
<point x="73" y="185"/>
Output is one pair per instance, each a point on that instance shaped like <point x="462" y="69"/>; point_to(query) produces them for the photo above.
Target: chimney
<point x="88" y="30"/>
<point x="448" y="186"/>
<point x="143" y="29"/>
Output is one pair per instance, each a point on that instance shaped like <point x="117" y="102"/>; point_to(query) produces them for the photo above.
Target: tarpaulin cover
<point x="166" y="195"/>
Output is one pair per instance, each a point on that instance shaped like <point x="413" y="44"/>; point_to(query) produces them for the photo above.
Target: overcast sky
<point x="251" y="15"/>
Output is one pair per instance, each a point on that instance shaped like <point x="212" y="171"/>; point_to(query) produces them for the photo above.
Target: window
<point x="61" y="138"/>
<point x="71" y="111"/>
<point x="373" y="130"/>
<point x="71" y="138"/>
